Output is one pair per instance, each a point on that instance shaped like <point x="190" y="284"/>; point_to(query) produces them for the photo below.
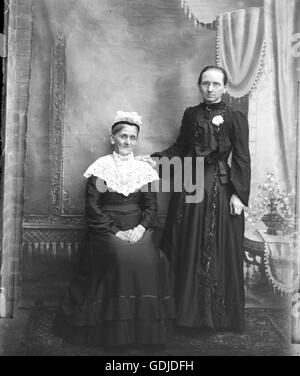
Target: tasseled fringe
<point x="262" y="62"/>
<point x="188" y="12"/>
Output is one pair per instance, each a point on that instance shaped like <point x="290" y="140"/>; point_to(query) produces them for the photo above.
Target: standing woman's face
<point x="212" y="86"/>
<point x="125" y="139"/>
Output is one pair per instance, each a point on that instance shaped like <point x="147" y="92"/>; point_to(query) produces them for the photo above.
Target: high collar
<point x="213" y="106"/>
<point x="123" y="158"/>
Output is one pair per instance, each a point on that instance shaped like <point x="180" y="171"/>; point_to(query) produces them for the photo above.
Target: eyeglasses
<point x="215" y="85"/>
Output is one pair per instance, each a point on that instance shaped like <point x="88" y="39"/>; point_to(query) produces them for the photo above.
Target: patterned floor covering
<point x="267" y="333"/>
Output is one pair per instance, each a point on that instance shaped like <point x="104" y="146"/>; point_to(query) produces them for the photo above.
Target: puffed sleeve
<point x="240" y="164"/>
<point x="148" y="203"/>
<point x="96" y="219"/>
<point x="179" y="148"/>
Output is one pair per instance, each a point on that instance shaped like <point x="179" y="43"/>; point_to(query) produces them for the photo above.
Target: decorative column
<point x="16" y="106"/>
<point x="59" y="232"/>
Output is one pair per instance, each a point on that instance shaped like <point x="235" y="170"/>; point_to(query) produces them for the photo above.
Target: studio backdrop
<point x="92" y="58"/>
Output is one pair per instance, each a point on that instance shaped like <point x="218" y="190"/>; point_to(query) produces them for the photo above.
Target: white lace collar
<point x="122" y="174"/>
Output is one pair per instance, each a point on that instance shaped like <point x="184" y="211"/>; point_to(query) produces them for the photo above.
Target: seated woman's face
<point x="125" y="139"/>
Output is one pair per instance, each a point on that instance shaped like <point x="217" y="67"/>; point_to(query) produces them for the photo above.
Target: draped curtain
<point x="191" y="9"/>
<point x="240" y="48"/>
<point x="279" y="29"/>
<point x="253" y="41"/>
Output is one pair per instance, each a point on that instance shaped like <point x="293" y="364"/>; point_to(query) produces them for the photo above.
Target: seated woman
<point x="122" y="293"/>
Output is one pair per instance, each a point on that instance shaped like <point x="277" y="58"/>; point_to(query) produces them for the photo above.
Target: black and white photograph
<point x="150" y="187"/>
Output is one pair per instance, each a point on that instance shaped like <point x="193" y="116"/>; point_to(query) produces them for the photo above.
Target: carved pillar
<point x="17" y="90"/>
<point x="59" y="232"/>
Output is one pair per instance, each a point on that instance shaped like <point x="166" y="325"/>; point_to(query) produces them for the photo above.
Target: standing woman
<point x="204" y="241"/>
<point x="122" y="294"/>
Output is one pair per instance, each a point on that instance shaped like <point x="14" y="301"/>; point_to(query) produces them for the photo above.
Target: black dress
<point x="122" y="293"/>
<point x="202" y="240"/>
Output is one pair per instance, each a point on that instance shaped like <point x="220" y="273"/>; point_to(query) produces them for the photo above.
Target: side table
<point x="273" y="256"/>
<point x="254" y="250"/>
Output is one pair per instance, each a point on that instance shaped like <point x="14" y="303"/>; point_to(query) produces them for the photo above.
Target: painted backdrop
<point x="90" y="59"/>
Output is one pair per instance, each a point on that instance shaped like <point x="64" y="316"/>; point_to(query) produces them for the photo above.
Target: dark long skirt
<point x="122" y="295"/>
<point x="205" y="245"/>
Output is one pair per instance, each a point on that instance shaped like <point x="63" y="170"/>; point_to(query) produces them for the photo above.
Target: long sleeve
<point x="148" y="203"/>
<point x="240" y="164"/>
<point x="179" y="148"/>
<point x="96" y="219"/>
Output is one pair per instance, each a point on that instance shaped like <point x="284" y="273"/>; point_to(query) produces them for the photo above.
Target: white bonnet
<point x="131" y="118"/>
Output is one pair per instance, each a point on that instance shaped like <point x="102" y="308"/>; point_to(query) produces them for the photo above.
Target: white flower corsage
<point x="217" y="120"/>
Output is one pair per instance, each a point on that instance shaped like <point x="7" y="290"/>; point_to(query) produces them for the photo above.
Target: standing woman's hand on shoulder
<point x="146" y="158"/>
